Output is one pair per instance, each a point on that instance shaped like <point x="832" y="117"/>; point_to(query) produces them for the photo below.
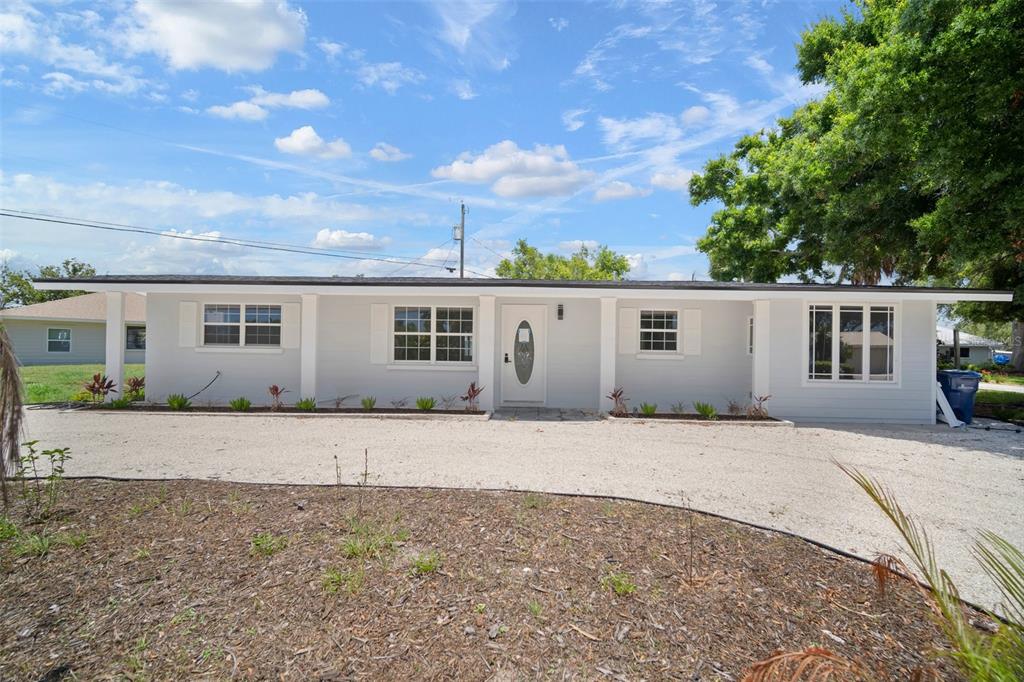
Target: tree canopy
<point x="16" y="285"/>
<point x="910" y="168"/>
<point x="528" y="262"/>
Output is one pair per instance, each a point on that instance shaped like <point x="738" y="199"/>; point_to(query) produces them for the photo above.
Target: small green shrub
<point x="267" y="544"/>
<point x="72" y="540"/>
<point x="334" y="580"/>
<point x="33" y="544"/>
<point x="423" y="564"/>
<point x="7" y="529"/>
<point x="122" y="403"/>
<point x="425" y="403"/>
<point x="535" y="608"/>
<point x="306" y="405"/>
<point x="648" y="409"/>
<point x="81" y="397"/>
<point x="370" y="541"/>
<point x="178" y="402"/>
<point x="620" y="583"/>
<point x="706" y="410"/>
<point x="533" y="501"/>
<point x="240" y="404"/>
<point x="368" y="402"/>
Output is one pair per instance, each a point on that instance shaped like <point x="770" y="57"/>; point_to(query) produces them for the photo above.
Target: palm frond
<point x="11" y="414"/>
<point x="813" y="664"/>
<point x="1004" y="564"/>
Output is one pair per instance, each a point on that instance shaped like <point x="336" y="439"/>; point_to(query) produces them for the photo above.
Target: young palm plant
<point x="979" y="656"/>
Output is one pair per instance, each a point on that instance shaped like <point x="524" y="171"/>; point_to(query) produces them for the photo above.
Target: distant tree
<point x="528" y="262"/>
<point x="16" y="285"/>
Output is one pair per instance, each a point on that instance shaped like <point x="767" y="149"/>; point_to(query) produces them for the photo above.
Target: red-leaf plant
<point x="136" y="387"/>
<point x="100" y="387"/>
<point x="275" y="396"/>
<point x="472" y="393"/>
<point x="618" y="397"/>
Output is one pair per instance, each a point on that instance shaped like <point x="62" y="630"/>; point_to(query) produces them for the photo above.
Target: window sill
<point x="832" y="383"/>
<point x="668" y="355"/>
<point x="432" y="368"/>
<point x="255" y="350"/>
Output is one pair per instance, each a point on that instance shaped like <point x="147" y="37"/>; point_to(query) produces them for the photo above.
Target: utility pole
<point x="459" y="234"/>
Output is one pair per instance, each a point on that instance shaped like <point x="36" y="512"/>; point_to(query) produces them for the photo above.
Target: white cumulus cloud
<point x="256" y="107"/>
<point x="676" y="180"/>
<point x="229" y="35"/>
<point x="306" y="142"/>
<point x="327" y="238"/>
<point x="389" y="76"/>
<point x="383" y="151"/>
<point x="545" y="170"/>
<point x="617" y="189"/>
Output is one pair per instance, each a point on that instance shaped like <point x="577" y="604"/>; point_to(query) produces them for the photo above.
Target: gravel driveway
<point x="954" y="481"/>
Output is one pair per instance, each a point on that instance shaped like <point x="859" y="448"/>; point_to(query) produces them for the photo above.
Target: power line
<point x="443" y="265"/>
<point x="246" y="243"/>
<point x="488" y="248"/>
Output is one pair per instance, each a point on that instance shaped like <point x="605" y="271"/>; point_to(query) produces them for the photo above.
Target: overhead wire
<point x="235" y="241"/>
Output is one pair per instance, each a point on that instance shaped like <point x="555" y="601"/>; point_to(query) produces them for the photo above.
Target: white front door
<point x="523" y="353"/>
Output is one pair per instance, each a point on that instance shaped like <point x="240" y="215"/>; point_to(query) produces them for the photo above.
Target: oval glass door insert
<point x="524" y="351"/>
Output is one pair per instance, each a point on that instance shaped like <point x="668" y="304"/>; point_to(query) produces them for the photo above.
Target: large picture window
<point x="430" y="334"/>
<point x="659" y="331"/>
<point x="58" y="340"/>
<point x="851" y="343"/>
<point x="225" y="325"/>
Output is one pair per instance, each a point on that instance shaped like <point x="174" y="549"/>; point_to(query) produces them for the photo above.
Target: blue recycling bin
<point x="960" y="386"/>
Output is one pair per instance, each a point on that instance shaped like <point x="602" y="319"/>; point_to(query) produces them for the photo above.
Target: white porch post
<point x="485" y="354"/>
<point x="308" y="345"/>
<point x="606" y="382"/>
<point x="762" y="350"/>
<point x="115" y="341"/>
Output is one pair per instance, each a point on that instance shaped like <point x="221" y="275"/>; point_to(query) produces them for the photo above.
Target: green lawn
<point x="1017" y="379"/>
<point x="986" y="397"/>
<point x="56" y="383"/>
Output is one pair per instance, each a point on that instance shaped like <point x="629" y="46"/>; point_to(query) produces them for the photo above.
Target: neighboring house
<point x="72" y="331"/>
<point x="823" y="352"/>
<point x="974" y="350"/>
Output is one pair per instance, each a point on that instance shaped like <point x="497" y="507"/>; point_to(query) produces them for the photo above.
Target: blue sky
<point x="358" y="127"/>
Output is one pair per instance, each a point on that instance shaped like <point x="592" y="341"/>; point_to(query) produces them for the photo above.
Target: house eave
<point x="421" y="287"/>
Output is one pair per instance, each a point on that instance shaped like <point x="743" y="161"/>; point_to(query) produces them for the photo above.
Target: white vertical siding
<point x="717" y="370"/>
<point x="909" y="401"/>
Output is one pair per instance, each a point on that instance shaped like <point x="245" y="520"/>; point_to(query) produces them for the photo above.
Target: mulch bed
<point x="143" y="407"/>
<point x="167" y="586"/>
<point x="696" y="417"/>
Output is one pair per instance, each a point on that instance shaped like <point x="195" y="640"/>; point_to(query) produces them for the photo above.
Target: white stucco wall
<point x="720" y="373"/>
<point x="171" y="368"/>
<point x="909" y="400"/>
<point x="87" y="343"/>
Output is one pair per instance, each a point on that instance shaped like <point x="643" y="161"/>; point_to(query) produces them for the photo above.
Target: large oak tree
<point x="909" y="169"/>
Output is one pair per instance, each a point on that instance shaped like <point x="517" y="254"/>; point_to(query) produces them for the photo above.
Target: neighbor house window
<point x="433" y="334"/>
<point x="58" y="340"/>
<point x="226" y="325"/>
<point x="659" y="330"/>
<point x="851" y="343"/>
<point x="135" y="338"/>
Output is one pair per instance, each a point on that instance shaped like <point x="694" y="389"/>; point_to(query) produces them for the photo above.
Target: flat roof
<point x="481" y="282"/>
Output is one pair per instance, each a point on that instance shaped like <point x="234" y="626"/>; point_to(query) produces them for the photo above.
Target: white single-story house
<point x="72" y="331"/>
<point x="974" y="350"/>
<point x="822" y="352"/>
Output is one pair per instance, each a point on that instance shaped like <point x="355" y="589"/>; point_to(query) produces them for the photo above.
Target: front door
<point x="523" y="353"/>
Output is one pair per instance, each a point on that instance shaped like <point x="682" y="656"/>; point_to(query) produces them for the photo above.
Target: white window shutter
<point x="691" y="332"/>
<point x="290" y="325"/>
<point x="188" y="314"/>
<point x="629" y="330"/>
<point x="378" y="333"/>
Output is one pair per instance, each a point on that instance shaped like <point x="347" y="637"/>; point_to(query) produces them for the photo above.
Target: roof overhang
<point x="724" y="291"/>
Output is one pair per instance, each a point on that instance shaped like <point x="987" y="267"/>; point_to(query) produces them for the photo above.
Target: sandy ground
<point x="955" y="482"/>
